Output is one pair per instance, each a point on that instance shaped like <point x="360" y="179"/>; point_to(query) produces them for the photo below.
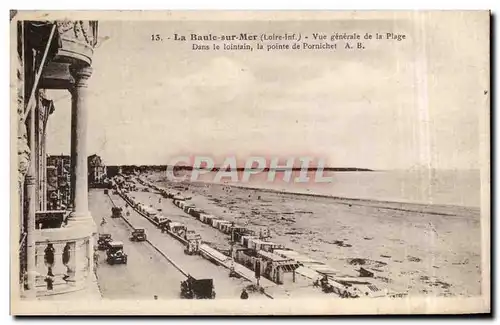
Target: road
<point x="147" y="272"/>
<point x="197" y="266"/>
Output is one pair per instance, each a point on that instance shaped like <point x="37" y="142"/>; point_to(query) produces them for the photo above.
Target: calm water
<point x="460" y="188"/>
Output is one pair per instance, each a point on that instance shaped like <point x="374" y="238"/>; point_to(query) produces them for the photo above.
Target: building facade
<point x="58" y="182"/>
<point x="97" y="171"/>
<point x="57" y="232"/>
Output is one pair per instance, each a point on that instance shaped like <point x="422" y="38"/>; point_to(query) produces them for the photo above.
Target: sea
<point x="437" y="187"/>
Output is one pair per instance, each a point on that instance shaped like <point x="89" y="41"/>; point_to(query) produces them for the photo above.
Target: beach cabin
<point x="225" y="227"/>
<point x="259" y="244"/>
<point x="214" y="221"/>
<point x="236" y="233"/>
<point x="176" y="227"/>
<point x="272" y="267"/>
<point x="166" y="194"/>
<point x="209" y="219"/>
<point x="217" y="222"/>
<point x="270" y="246"/>
<point x="195" y="212"/>
<point x="206" y="218"/>
<point x="275" y="267"/>
<point x="188" y="208"/>
<point x="246" y="257"/>
<point x="203" y="217"/>
<point x="244" y="240"/>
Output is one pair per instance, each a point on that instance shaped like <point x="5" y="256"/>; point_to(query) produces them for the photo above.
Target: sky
<point x="395" y="105"/>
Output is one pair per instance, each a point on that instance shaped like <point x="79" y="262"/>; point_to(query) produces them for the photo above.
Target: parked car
<point x="103" y="241"/>
<point x="115" y="253"/>
<point x="138" y="234"/>
<point x="197" y="289"/>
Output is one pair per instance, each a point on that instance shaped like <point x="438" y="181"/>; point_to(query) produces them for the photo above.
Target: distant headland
<point x="160" y="168"/>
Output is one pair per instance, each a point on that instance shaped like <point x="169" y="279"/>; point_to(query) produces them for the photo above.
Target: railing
<point x="63" y="259"/>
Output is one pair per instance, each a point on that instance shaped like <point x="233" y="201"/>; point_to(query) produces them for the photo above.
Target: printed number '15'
<point x="155" y="37"/>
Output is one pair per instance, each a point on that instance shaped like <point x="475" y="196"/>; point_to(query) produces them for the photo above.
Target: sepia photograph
<point x="250" y="163"/>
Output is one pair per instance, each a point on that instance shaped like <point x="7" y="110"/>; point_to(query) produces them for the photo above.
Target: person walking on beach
<point x="244" y="294"/>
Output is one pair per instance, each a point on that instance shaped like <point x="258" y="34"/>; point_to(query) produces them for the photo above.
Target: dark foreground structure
<point x="56" y="229"/>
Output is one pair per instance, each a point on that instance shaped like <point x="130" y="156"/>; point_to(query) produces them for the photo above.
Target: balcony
<point x="63" y="255"/>
<point x="77" y="40"/>
<point x="75" y="43"/>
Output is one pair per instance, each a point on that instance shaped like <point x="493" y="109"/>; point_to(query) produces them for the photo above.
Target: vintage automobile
<point x="116" y="212"/>
<point x="159" y="219"/>
<point x="138" y="234"/>
<point x="164" y="224"/>
<point x="115" y="253"/>
<point x="197" y="289"/>
<point x="103" y="241"/>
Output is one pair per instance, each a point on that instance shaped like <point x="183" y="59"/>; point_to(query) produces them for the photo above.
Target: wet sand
<point x="417" y="249"/>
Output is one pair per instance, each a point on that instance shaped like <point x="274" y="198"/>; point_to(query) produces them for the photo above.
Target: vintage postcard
<point x="250" y="163"/>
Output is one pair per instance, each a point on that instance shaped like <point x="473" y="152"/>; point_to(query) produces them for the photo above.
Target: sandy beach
<point x="413" y="248"/>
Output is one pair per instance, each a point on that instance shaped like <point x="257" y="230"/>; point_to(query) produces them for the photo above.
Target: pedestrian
<point x="244" y="294"/>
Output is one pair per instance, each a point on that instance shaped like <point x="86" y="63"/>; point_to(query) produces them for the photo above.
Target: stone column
<point x="30" y="229"/>
<point x="79" y="167"/>
<point x="31" y="198"/>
